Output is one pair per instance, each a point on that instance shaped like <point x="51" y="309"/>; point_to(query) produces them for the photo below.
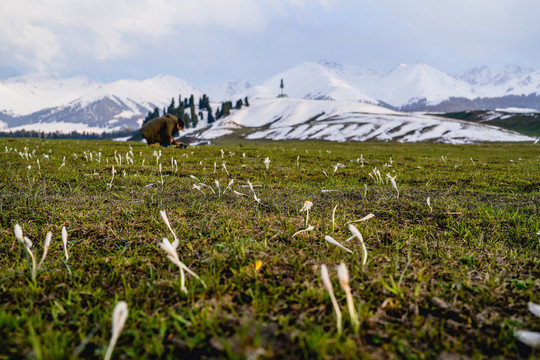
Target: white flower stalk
<point x="197" y="187"/>
<point x="334" y="218"/>
<point x="393" y="182"/>
<point x="218" y="188"/>
<point x="443" y="159"/>
<point x="530" y="338"/>
<point x="231" y="182"/>
<point x="367" y="217"/>
<point x="357" y="234"/>
<point x="204" y="185"/>
<point x="534" y="308"/>
<point x="194" y="178"/>
<point x="332" y="241"/>
<point x="239" y="193"/>
<point x="298" y="161"/>
<point x="46" y="246"/>
<point x="255" y="197"/>
<point x="328" y="286"/>
<point x="64" y="241"/>
<point x="336" y="167"/>
<point x="376" y="176"/>
<point x="343" y="276"/>
<point x="160" y="174"/>
<point x="19" y="234"/>
<point x="267" y="162"/>
<point x="307" y="206"/>
<point x="428" y="201"/>
<point x="28" y="247"/>
<point x="163" y="215"/>
<point x="224" y="167"/>
<point x="365" y="190"/>
<point x="172" y="255"/>
<point x="309" y="228"/>
<point x="119" y="317"/>
<point x="113" y="171"/>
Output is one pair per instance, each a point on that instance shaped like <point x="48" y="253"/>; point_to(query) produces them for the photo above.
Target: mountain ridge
<point x="47" y="103"/>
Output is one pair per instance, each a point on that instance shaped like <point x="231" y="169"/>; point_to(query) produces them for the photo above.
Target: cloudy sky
<point x="211" y="41"/>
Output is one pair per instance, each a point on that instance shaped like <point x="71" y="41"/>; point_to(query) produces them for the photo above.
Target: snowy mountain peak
<point x="407" y="84"/>
<point x="487" y="76"/>
<point x="316" y="81"/>
<point x="226" y="91"/>
<point x="329" y="64"/>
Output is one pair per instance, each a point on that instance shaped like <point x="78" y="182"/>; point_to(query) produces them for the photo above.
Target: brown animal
<point x="160" y="131"/>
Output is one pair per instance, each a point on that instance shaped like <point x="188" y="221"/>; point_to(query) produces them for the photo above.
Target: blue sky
<point x="212" y="41"/>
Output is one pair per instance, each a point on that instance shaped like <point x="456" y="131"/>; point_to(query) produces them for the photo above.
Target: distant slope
<point x="284" y="119"/>
<point x="527" y="122"/>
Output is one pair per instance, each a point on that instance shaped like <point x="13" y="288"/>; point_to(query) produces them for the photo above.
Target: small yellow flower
<point x="258" y="265"/>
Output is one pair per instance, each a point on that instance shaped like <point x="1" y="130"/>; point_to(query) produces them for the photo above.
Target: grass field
<point x="448" y="278"/>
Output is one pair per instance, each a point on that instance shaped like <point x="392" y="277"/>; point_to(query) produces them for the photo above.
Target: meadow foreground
<point x="448" y="263"/>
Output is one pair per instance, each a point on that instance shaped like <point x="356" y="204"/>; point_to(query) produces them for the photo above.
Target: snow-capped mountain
<point x="487" y="76"/>
<point x="316" y="81"/>
<point x="30" y="93"/>
<point x="78" y="104"/>
<point x="226" y="91"/>
<point x="408" y="84"/>
<point x="414" y="87"/>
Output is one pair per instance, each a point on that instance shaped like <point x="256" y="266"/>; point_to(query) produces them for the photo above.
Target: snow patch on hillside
<point x="286" y="119"/>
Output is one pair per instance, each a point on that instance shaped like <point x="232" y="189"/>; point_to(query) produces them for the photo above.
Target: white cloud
<point x="38" y="33"/>
<point x="78" y="34"/>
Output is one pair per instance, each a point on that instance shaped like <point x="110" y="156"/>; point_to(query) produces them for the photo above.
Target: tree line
<point x="185" y="110"/>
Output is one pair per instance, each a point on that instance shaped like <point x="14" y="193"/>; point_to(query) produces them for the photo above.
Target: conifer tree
<point x="210" y="116"/>
<point x="171" y="109"/>
<point x="246" y="103"/>
<point x="204" y="102"/>
<point x="181" y="115"/>
<point x="194" y="119"/>
<point x="226" y="108"/>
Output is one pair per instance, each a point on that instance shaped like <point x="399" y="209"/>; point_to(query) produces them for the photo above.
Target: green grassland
<point x="441" y="280"/>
